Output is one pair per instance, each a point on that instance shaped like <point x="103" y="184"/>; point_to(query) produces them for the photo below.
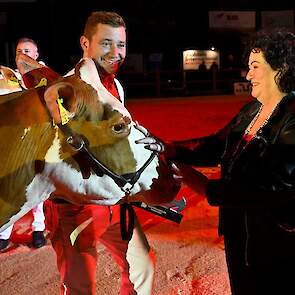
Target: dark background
<point x="153" y="26"/>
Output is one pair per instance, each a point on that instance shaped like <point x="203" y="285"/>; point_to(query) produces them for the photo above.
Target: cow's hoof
<point x="38" y="239"/>
<point x="3" y="244"/>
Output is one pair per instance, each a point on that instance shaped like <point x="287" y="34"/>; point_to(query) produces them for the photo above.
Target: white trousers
<point x="38" y="223"/>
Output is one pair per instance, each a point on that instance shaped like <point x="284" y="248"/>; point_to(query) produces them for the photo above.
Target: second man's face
<point x="27" y="48"/>
<point x="107" y="47"/>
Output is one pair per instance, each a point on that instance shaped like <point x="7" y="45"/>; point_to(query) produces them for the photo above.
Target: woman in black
<point x="256" y="190"/>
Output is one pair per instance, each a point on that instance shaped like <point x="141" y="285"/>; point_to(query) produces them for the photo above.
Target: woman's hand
<point x="192" y="178"/>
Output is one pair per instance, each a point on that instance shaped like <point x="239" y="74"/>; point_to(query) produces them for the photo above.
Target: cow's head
<point x="9" y="81"/>
<point x="38" y="156"/>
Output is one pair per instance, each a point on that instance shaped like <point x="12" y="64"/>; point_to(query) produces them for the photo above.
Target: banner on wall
<point x="277" y="19"/>
<point x="192" y="59"/>
<point x="233" y="20"/>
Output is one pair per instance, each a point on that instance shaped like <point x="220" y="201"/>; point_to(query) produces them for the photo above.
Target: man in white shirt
<point x="29" y="47"/>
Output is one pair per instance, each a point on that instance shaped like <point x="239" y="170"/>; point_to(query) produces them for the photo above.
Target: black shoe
<point x="38" y="239"/>
<point x="3" y="244"/>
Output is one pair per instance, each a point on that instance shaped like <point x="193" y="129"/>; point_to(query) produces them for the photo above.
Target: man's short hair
<point x="25" y="39"/>
<point x="102" y="17"/>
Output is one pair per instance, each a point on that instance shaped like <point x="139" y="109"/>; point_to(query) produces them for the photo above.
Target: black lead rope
<point x="126" y="227"/>
<point x="125" y="182"/>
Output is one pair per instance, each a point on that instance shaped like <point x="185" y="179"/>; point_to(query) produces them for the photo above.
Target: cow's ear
<point x="9" y="75"/>
<point x="54" y="92"/>
<point x="26" y="64"/>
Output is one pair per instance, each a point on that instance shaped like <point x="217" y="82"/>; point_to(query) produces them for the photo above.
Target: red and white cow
<point x="37" y="160"/>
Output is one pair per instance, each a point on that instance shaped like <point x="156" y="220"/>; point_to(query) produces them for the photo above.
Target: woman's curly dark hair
<point x="278" y="48"/>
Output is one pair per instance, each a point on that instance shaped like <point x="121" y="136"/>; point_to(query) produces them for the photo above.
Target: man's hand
<point x="150" y="142"/>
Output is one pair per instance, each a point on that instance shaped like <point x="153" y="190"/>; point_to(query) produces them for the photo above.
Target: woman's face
<point x="262" y="77"/>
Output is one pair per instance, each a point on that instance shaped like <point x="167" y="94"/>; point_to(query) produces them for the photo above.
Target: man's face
<point x="107" y="47"/>
<point x="27" y="48"/>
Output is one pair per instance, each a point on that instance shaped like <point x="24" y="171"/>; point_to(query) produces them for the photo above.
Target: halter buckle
<point x="127" y="188"/>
